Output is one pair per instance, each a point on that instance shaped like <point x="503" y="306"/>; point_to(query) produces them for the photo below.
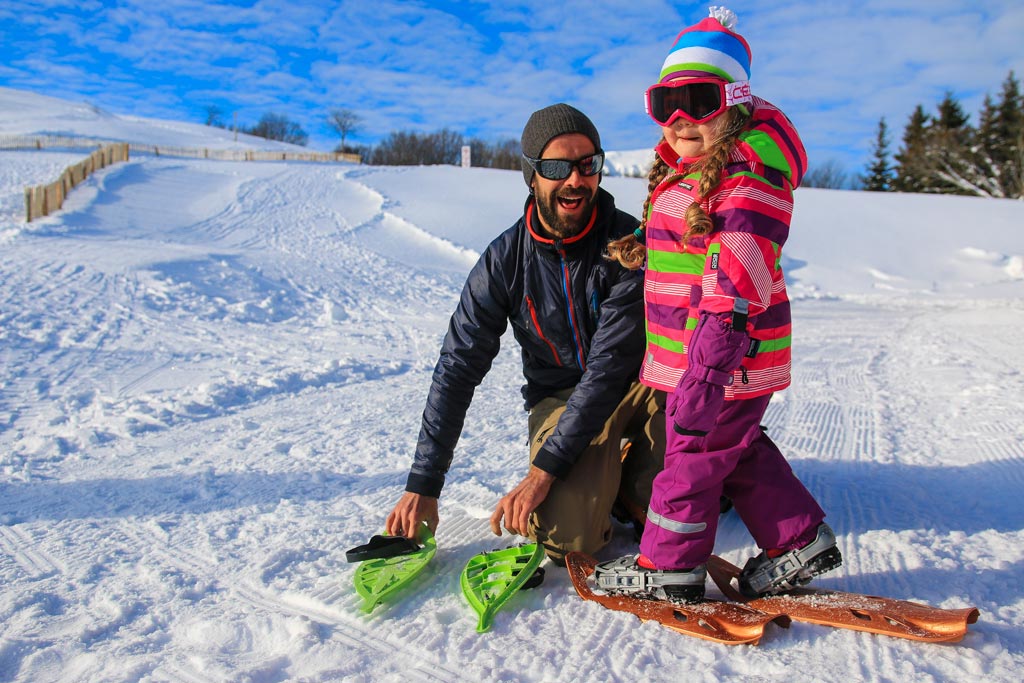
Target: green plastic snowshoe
<point x="378" y="579"/>
<point x="490" y="579"/>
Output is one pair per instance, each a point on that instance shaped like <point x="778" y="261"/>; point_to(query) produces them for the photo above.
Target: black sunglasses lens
<point x="698" y="100"/>
<point x="592" y="165"/>
<point x="560" y="169"/>
<point x="554" y="169"/>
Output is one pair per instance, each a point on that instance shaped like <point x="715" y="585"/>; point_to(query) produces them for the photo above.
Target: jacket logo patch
<point x="714" y="261"/>
<point x="685" y="185"/>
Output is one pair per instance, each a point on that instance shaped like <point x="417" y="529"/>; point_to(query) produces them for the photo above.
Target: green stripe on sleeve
<point x="768" y="345"/>
<point x="666" y="262"/>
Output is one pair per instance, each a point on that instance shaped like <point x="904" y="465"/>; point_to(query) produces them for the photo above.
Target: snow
<point x="211" y="379"/>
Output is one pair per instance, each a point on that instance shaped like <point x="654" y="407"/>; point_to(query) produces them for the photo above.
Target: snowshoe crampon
<point x="391" y="566"/>
<point x="490" y="579"/>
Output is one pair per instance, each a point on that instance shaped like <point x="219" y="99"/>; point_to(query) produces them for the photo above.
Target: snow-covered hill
<point x="211" y="377"/>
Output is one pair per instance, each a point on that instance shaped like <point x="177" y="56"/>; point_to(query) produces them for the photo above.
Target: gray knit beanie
<point x="548" y="123"/>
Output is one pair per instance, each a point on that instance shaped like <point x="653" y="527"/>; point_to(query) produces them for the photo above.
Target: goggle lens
<point x="560" y="169"/>
<point x="696" y="101"/>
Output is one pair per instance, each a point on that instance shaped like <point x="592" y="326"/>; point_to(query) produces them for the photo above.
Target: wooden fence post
<point x="38" y="202"/>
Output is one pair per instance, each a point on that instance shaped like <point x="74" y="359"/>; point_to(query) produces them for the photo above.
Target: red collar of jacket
<point x="558" y="244"/>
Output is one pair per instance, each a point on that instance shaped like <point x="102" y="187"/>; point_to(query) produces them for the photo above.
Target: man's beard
<point x="559" y="225"/>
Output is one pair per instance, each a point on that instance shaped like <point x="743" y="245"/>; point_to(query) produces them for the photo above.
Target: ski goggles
<point x="560" y="169"/>
<point x="695" y="99"/>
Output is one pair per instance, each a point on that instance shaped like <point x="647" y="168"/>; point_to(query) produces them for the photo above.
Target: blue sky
<point x="480" y="68"/>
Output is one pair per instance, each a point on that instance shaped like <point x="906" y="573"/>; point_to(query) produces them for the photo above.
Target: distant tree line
<point x="271" y="126"/>
<point x="942" y="153"/>
<point x="402" y="148"/>
<point x="409" y="148"/>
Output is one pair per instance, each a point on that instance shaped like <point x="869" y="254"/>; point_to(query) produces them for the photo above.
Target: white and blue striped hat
<point x="709" y="49"/>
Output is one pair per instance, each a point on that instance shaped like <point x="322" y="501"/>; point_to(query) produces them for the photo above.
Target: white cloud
<point x="481" y="67"/>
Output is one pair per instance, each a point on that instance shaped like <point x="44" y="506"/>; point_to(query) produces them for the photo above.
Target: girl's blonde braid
<point x="629" y="250"/>
<point x="698" y="222"/>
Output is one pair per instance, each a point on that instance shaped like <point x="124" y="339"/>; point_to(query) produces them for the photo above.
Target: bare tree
<point x="278" y="127"/>
<point x="408" y="148"/>
<point x="828" y="175"/>
<point x="344" y="122"/>
<point x="502" y="154"/>
<point x="213" y="116"/>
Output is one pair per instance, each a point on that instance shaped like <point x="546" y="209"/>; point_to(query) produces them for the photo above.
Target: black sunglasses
<point x="560" y="169"/>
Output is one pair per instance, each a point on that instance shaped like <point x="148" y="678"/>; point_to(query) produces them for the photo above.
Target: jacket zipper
<point x="567" y="292"/>
<point x="540" y="332"/>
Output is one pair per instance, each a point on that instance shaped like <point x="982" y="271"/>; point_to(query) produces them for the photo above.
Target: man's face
<point x="565" y="205"/>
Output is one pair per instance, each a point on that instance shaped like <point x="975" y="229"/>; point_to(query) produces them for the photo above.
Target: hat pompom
<point x="725" y="16"/>
<point x="709" y="48"/>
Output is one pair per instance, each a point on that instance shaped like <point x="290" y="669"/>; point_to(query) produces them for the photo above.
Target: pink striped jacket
<point x="741" y="258"/>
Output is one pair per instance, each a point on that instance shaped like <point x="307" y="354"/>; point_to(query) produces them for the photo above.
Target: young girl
<point x="718" y="325"/>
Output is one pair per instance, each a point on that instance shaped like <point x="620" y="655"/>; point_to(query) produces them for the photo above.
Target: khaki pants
<point x="576" y="513"/>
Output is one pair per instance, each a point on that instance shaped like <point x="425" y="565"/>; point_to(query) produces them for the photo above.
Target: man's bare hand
<point x="515" y="508"/>
<point x="411" y="511"/>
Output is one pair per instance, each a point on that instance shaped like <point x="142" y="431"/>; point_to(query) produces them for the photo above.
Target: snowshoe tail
<point x="854" y="611"/>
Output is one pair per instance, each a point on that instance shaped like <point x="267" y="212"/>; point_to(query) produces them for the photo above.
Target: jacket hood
<point x="771" y="140"/>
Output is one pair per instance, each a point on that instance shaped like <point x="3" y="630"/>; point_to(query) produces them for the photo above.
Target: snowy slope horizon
<point x="211" y="381"/>
<point x="32" y="114"/>
<point x="893" y="263"/>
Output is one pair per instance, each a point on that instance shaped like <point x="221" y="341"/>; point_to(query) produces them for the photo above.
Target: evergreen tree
<point x="945" y="154"/>
<point x="950" y="166"/>
<point x="1001" y="140"/>
<point x="951" y="114"/>
<point x="989" y="147"/>
<point x="880" y="175"/>
<point x="911" y="162"/>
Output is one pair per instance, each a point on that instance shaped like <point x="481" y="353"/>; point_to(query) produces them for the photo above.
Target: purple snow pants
<point x="736" y="459"/>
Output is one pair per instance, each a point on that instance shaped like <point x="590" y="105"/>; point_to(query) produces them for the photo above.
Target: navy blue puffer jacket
<point x="578" y="318"/>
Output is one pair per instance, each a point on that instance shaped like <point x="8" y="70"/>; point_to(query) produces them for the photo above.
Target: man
<point x="579" y="320"/>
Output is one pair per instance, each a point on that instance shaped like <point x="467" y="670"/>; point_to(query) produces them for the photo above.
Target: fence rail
<point x="60" y="141"/>
<point x="42" y="200"/>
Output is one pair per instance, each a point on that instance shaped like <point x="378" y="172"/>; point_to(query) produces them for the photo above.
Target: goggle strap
<point x="737" y="92"/>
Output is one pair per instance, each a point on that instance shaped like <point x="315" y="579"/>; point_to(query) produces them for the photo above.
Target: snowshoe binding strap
<point x="625" y="577"/>
<point x="382" y="547"/>
<point x="763" y="575"/>
<point x="377" y="579"/>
